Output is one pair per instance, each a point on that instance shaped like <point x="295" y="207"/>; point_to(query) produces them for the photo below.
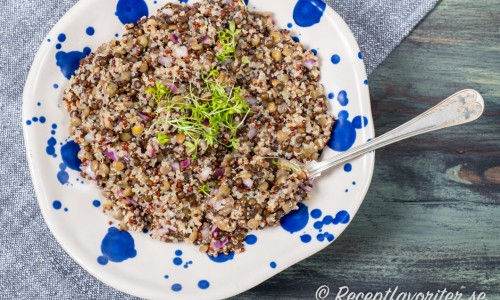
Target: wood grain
<point x="431" y="217"/>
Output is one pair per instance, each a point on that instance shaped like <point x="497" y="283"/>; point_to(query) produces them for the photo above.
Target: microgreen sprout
<point x="160" y="92"/>
<point x="227" y="38"/>
<point x="213" y="119"/>
<point x="205" y="189"/>
<point x="245" y="60"/>
<point x="162" y="138"/>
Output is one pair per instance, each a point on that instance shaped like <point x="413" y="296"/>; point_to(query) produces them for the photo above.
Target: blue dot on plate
<point x="38" y="104"/>
<point x="66" y="209"/>
<point x="56" y="204"/>
<point x="178" y="252"/>
<point x="314" y="51"/>
<point x="335" y="59"/>
<point x="289" y="25"/>
<point x="250" y="239"/>
<point x="116" y="34"/>
<point x="318" y="225"/>
<point x="166" y="276"/>
<point x="96" y="203"/>
<point x="61" y="37"/>
<point x="331" y="96"/>
<point x="360" y="55"/>
<point x="54" y="126"/>
<point x="176" y="287"/>
<point x="42" y="119"/>
<point x="28" y="122"/>
<point x="35" y="119"/>
<point x="305" y="238"/>
<point x="203" y="284"/>
<point x="90" y="30"/>
<point x="48" y="40"/>
<point x="177" y="261"/>
<point x="346" y="190"/>
<point x="102" y="260"/>
<point x="295" y="39"/>
<point x="348" y="167"/>
<point x="316" y="213"/>
<point x="273" y="265"/>
<point x="354" y="183"/>
<point x="342" y="98"/>
<point x="58" y="46"/>
<point x="55" y="85"/>
<point x="365" y="82"/>
<point x="52" y="132"/>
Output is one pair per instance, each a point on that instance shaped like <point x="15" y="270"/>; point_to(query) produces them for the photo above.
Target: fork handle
<point x="463" y="107"/>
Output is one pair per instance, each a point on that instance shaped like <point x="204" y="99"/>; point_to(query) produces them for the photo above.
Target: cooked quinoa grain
<point x="210" y="195"/>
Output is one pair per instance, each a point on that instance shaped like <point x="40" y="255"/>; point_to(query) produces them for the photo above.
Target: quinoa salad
<point x="176" y="119"/>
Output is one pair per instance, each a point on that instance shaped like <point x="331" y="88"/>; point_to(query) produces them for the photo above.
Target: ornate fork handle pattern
<point x="463" y="107"/>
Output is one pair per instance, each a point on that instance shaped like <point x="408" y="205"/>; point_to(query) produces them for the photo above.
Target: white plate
<point x="139" y="265"/>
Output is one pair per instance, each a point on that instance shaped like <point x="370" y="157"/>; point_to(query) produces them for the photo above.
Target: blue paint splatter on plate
<point x="250" y="239"/>
<point x="296" y="220"/>
<point x="306" y="13"/>
<point x="50" y="149"/>
<point x="342" y="217"/>
<point x="117" y="246"/>
<point x="62" y="175"/>
<point x="130" y="11"/>
<point x="273" y="264"/>
<point x="335" y="59"/>
<point x="176" y="287"/>
<point x="342" y="98"/>
<point x="222" y="257"/>
<point x="68" y="62"/>
<point x="96" y="203"/>
<point x="203" y="284"/>
<point x="316" y="213"/>
<point x="344" y="132"/>
<point x="61" y="37"/>
<point x="305" y="238"/>
<point x="90" y="30"/>
<point x="69" y="153"/>
<point x="348" y="167"/>
<point x="56" y="204"/>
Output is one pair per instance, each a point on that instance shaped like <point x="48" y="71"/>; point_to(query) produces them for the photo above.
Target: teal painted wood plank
<point x="431" y="217"/>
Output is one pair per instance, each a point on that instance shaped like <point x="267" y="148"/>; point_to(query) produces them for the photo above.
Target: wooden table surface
<point x="431" y="219"/>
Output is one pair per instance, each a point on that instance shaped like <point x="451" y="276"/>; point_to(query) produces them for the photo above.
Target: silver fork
<point x="460" y="108"/>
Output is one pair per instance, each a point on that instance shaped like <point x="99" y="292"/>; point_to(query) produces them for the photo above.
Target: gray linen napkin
<point x="32" y="264"/>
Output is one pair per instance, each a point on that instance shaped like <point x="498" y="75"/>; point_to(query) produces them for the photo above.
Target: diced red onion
<point x="204" y="39"/>
<point x="168" y="11"/>
<point x="129" y="199"/>
<point x="89" y="137"/>
<point x="306" y="188"/>
<point x="185" y="163"/>
<point x="126" y="159"/>
<point x="111" y="154"/>
<point x="205" y="173"/>
<point x="218" y="244"/>
<point x="311" y="180"/>
<point x="251" y="100"/>
<point x="219" y="172"/>
<point x="172" y="87"/>
<point x="213" y="191"/>
<point x="252" y="132"/>
<point x="215" y="231"/>
<point x="151" y="152"/>
<point x="174" y="38"/>
<point x="248" y="183"/>
<point x="309" y="63"/>
<point x="180" y="51"/>
<point x="165" y="61"/>
<point x="119" y="192"/>
<point x="175" y="166"/>
<point x="162" y="230"/>
<point x="143" y="116"/>
<point x="205" y="232"/>
<point x="206" y="122"/>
